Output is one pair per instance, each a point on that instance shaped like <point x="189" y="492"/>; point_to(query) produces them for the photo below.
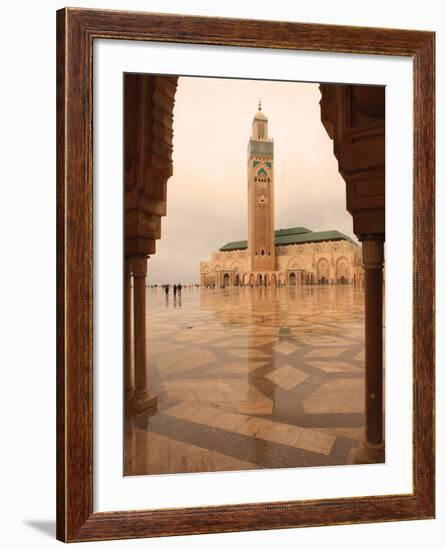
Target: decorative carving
<point x="139" y="265"/>
<point x="148" y="157"/>
<point x="373" y="252"/>
<point x="354" y="117"/>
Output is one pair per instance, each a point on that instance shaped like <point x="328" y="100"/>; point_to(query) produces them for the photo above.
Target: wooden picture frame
<point x="77" y="29"/>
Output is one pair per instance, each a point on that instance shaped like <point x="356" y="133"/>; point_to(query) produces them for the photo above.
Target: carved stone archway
<point x="354" y="118"/>
<point x="148" y="107"/>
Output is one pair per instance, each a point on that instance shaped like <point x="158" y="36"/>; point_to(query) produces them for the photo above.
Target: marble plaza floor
<point x="251" y="378"/>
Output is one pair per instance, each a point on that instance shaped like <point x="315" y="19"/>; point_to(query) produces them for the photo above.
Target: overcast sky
<point x="207" y="194"/>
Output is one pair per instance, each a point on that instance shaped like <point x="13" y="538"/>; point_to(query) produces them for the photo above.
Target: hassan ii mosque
<point x="278" y="257"/>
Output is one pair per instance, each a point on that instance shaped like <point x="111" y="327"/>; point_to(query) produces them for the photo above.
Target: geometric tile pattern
<point x="287" y="377"/>
<point x="251" y="378"/>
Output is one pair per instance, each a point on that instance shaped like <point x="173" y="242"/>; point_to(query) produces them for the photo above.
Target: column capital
<point x="139" y="265"/>
<point x="373" y="251"/>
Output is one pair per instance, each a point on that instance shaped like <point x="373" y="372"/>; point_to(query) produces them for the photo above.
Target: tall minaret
<point x="261" y="195"/>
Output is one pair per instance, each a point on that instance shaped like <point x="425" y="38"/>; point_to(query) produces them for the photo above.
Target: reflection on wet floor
<point x="251" y="378"/>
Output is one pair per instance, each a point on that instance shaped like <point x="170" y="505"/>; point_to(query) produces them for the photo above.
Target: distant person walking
<point x="174" y="290"/>
<point x="166" y="290"/>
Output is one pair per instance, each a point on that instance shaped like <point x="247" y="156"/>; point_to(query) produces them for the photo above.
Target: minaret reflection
<point x="251" y="316"/>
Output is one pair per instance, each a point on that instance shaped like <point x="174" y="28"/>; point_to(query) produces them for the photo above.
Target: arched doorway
<point x="323" y="271"/>
<point x="217" y="271"/>
<point x="237" y="280"/>
<point x="205" y="276"/>
<point x="226" y="279"/>
<point x="292" y="279"/>
<point x="342" y="271"/>
<point x="273" y="279"/>
<point x="260" y="280"/>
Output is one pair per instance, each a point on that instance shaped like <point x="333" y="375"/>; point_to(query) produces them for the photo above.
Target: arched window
<point x="263" y="252"/>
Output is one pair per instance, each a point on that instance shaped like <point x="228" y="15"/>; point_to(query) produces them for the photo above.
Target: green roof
<point x="291" y="231"/>
<point x="235" y="245"/>
<point x="294" y="235"/>
<point x="312" y="237"/>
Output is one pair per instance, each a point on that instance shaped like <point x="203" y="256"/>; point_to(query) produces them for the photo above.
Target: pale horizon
<point x="207" y="194"/>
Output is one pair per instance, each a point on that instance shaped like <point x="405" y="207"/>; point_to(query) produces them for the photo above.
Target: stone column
<point x="373" y="259"/>
<point x="129" y="370"/>
<point x="142" y="400"/>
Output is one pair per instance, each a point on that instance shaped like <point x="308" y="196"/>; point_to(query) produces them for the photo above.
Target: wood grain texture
<point x="76" y="31"/>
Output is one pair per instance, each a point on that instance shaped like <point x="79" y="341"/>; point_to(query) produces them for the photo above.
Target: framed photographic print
<point x="245" y="275"/>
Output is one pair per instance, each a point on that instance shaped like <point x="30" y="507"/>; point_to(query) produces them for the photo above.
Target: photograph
<point x="244" y="276"/>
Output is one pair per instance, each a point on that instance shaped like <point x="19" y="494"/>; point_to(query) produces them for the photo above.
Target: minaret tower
<point x="261" y="195"/>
